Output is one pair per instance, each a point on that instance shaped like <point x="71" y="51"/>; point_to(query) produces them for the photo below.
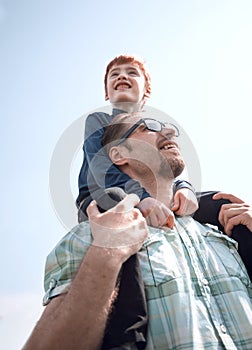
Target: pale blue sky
<point x="53" y="56"/>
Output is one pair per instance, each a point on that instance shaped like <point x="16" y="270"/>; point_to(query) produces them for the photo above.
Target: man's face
<point x="157" y="152"/>
<point x="125" y="83"/>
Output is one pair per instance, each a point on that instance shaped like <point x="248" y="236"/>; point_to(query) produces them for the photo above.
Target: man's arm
<point x="77" y="320"/>
<point x="235" y="213"/>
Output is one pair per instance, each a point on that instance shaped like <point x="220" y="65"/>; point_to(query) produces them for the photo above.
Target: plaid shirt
<point x="198" y="292"/>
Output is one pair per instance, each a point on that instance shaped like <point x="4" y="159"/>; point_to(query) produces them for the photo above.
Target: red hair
<point x="122" y="59"/>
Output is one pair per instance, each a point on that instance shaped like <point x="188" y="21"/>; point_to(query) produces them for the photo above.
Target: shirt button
<point x="205" y="281"/>
<point x="52" y="283"/>
<point x="223" y="328"/>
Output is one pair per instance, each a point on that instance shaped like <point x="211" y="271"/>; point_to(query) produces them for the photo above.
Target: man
<point x="197" y="288"/>
<point x="127" y="86"/>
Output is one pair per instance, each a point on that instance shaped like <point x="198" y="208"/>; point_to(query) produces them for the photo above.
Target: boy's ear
<point x="147" y="93"/>
<point x="106" y="96"/>
<point x="116" y="156"/>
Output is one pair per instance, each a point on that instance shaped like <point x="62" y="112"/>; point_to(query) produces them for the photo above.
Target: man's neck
<point x="158" y="187"/>
<point x="162" y="190"/>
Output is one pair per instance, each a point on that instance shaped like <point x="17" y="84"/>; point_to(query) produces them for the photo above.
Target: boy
<point x="127" y="87"/>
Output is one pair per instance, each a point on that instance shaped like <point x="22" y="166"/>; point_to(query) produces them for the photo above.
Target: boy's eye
<point x="133" y="73"/>
<point x="114" y="74"/>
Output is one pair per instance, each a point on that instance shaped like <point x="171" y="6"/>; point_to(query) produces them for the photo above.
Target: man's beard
<point x="172" y="168"/>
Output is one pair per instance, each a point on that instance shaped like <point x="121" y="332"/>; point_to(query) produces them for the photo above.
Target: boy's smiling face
<point x="125" y="83"/>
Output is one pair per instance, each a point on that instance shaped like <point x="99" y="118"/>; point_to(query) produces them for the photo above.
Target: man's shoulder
<point x="71" y="247"/>
<point x="81" y="232"/>
<point x="78" y="238"/>
<point x="188" y="224"/>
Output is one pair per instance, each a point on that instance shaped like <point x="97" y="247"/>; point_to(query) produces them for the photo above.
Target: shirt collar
<point x="117" y="111"/>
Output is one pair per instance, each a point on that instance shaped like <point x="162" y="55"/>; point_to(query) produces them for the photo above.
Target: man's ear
<point x="116" y="155"/>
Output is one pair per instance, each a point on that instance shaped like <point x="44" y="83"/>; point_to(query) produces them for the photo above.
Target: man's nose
<point x="168" y="133"/>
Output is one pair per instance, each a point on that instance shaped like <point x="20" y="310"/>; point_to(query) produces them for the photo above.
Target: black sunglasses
<point x="152" y="125"/>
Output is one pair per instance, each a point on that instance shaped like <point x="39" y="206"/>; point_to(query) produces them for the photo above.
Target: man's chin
<point x="173" y="169"/>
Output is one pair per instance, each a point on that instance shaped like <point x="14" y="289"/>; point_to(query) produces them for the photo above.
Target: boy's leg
<point x="244" y="238"/>
<point x="209" y="208"/>
<point x="105" y="199"/>
<point x="82" y="214"/>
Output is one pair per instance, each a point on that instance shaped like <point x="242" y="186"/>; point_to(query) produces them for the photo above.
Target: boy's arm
<point x="178" y="184"/>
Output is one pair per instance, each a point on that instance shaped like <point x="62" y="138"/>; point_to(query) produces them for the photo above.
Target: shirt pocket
<point x="161" y="259"/>
<point x="228" y="256"/>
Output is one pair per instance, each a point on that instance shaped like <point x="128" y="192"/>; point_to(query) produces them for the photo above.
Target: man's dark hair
<point x="117" y="128"/>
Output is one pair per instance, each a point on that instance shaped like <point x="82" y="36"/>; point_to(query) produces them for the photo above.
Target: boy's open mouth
<point x="122" y="86"/>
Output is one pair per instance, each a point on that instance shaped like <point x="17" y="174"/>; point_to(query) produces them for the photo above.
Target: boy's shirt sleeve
<point x="97" y="170"/>
<point x="178" y="184"/>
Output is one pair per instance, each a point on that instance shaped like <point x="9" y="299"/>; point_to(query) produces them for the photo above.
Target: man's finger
<point x="127" y="204"/>
<point x="231" y="197"/>
<point x="92" y="209"/>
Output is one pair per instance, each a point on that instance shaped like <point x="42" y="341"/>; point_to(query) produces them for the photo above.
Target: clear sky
<point x="53" y="56"/>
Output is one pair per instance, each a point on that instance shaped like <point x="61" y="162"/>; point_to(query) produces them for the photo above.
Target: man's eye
<point x="143" y="127"/>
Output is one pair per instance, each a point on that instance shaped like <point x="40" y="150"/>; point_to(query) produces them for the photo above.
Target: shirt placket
<point x="199" y="266"/>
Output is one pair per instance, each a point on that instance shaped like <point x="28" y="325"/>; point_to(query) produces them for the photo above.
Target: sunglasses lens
<point x="153" y="125"/>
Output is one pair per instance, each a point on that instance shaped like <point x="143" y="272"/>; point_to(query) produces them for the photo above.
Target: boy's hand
<point x="184" y="202"/>
<point x="235" y="213"/>
<point x="156" y="213"/>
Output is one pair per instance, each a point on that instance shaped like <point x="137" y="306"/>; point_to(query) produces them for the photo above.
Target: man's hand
<point x="235" y="213"/>
<point x="184" y="202"/>
<point x="156" y="213"/>
<point x="121" y="228"/>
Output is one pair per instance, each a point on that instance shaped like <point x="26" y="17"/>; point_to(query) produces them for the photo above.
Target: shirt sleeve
<point x="64" y="261"/>
<point x="178" y="184"/>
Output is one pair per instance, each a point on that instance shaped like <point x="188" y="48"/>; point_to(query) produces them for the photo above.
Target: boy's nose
<point x="122" y="75"/>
